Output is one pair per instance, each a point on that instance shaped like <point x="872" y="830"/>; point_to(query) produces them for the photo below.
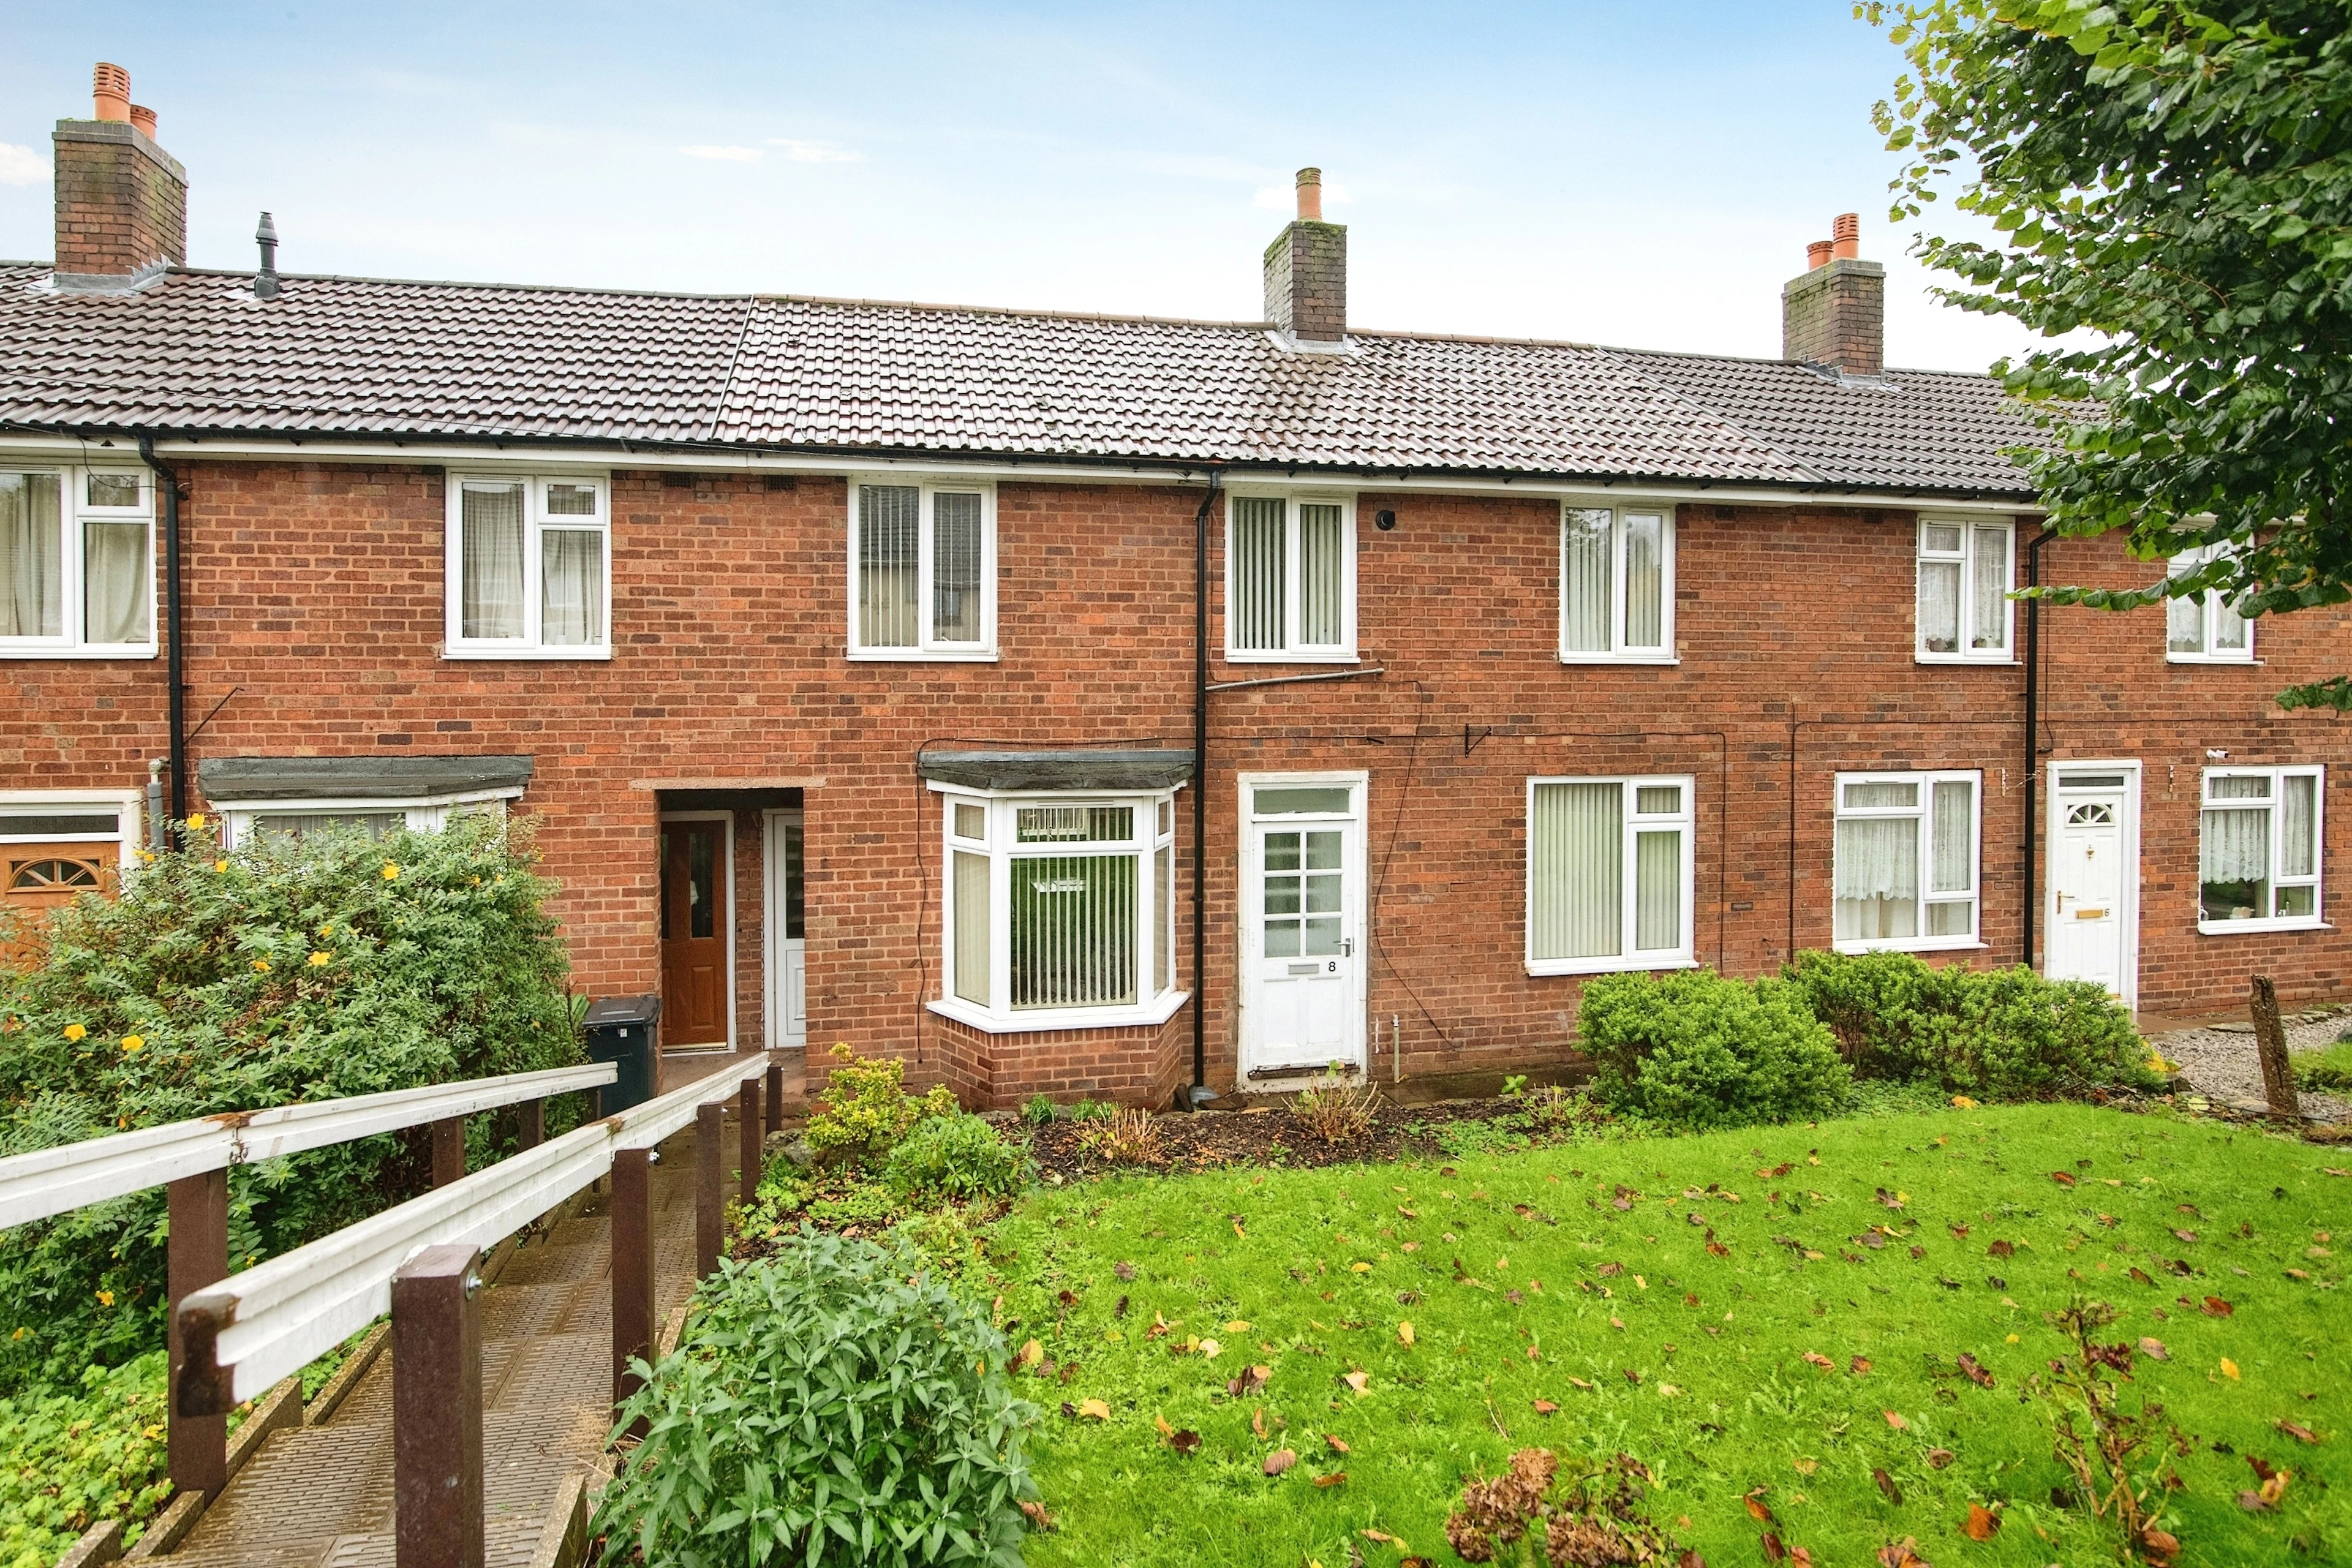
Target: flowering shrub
<point x="282" y="972"/>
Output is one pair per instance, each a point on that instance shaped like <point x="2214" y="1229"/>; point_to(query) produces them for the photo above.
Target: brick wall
<point x="1836" y="315"/>
<point x="317" y="590"/>
<point x="1306" y="282"/>
<point x="121" y="201"/>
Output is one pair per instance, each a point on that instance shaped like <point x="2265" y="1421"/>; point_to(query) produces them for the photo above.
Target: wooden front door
<point x="36" y="879"/>
<point x="695" y="934"/>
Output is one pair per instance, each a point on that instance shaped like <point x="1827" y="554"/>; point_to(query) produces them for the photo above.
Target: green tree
<point x="2174" y="183"/>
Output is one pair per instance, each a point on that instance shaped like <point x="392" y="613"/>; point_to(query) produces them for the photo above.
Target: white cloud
<point x="22" y="165"/>
<point x="724" y="154"/>
<point x="812" y="151"/>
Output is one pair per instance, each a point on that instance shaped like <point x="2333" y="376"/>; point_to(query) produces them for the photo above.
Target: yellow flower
<point x="220" y="865"/>
<point x="197" y="820"/>
<point x="134" y="1043"/>
<point x="261" y="966"/>
<point x="75" y="1031"/>
<point x="391" y="872"/>
<point x="1964" y="1102"/>
<point x="21" y="1332"/>
<point x="106" y="1298"/>
<point x="326" y="930"/>
<point x="147" y="856"/>
<point x="320" y="959"/>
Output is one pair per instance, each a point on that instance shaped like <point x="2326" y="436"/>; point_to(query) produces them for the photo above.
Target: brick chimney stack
<point x="1306" y="272"/>
<point x="123" y="201"/>
<point x="1834" y="315"/>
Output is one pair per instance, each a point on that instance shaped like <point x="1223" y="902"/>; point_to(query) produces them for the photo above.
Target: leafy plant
<point x="281" y="972"/>
<point x="2324" y="1070"/>
<point x="1124" y="1138"/>
<point x="68" y="1459"/>
<point x="1592" y="1514"/>
<point x="1694" y="1050"/>
<point x="1335" y="1111"/>
<point x="2113" y="1454"/>
<point x="1514" y="1085"/>
<point x="1039" y="1113"/>
<point x="959" y="1157"/>
<point x="867" y="1108"/>
<point x="1092" y="1111"/>
<point x="833" y="1403"/>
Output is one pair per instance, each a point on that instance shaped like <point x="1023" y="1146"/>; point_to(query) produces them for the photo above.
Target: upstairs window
<point x="530" y="573"/>
<point x="1906" y="874"/>
<point x="1290" y="578"/>
<point x="1964" y="581"/>
<point x="2258" y="851"/>
<point x="77" y="562"/>
<point x="922" y="563"/>
<point x="1616" y="584"/>
<point x="2202" y="628"/>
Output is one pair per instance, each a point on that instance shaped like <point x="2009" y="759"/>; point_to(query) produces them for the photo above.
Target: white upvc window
<point x="2258" y="841"/>
<point x="1964" y="612"/>
<point x="1906" y="859"/>
<point x="77" y="562"/>
<point x="55" y="844"/>
<point x="1059" y="911"/>
<point x="529" y="567"/>
<point x="922" y="571"/>
<point x="1616" y="584"/>
<point x="246" y="822"/>
<point x="2204" y="628"/>
<point x="1290" y="578"/>
<point x="1610" y="880"/>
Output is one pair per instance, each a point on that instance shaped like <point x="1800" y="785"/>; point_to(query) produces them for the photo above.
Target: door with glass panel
<point x="1302" y="958"/>
<point x="787" y="921"/>
<point x="695" y="934"/>
<point x="2094" y="886"/>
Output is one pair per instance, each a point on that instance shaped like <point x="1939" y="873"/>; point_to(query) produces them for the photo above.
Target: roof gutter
<point x="176" y="698"/>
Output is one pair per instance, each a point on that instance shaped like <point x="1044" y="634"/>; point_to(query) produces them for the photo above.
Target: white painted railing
<point x="252" y="1329"/>
<point x="52" y="1180"/>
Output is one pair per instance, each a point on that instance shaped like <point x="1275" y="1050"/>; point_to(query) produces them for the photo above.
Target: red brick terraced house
<point x="1094" y="705"/>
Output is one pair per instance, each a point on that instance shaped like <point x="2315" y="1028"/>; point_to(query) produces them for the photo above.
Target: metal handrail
<point x="250" y="1330"/>
<point x="74" y="1175"/>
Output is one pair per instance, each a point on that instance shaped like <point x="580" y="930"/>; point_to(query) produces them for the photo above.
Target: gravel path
<point x="2221" y="1064"/>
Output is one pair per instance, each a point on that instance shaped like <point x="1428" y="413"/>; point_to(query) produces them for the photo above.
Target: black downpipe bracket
<point x="1200" y="1092"/>
<point x="2033" y="738"/>
<point x="174" y="642"/>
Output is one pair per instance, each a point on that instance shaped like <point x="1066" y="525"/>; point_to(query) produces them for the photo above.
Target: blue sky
<point x="1643" y="175"/>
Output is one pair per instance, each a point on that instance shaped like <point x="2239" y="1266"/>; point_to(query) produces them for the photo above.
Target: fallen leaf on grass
<point x="1404" y="1333"/>
<point x="1982" y="1525"/>
<point x="1186" y="1441"/>
<point x="1819" y="1359"/>
<point x="1859" y="1365"/>
<point x="1278" y="1461"/>
<point x="2153" y="1348"/>
<point x="1356" y="1380"/>
<point x="2214" y="1307"/>
<point x="1757" y="1509"/>
<point x="1894" y="1419"/>
<point x="1031" y="1355"/>
<point x="1239" y="1231"/>
<point x="1773" y="1550"/>
<point x="1959" y="1230"/>
<point x="2062" y="1178"/>
<point x="2300" y="1434"/>
<point x="1886" y="1485"/>
<point x="1975" y="1371"/>
<point x="1903" y="1553"/>
<point x="2141" y="1275"/>
<point x="1336" y="1479"/>
<point x="1094" y="1409"/>
<point x="1252" y="1379"/>
<point x="1939" y="1458"/>
<point x="2229" y="1369"/>
<point x="2002" y="1249"/>
<point x="1581" y="1383"/>
<point x="1038" y="1515"/>
<point x="1257" y="1422"/>
<point x="1126" y="1272"/>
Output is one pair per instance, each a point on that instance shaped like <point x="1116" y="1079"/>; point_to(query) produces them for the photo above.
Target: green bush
<point x="959" y="1157"/>
<point x="833" y="1403"/>
<point x="2326" y="1071"/>
<point x="70" y="1459"/>
<point x="2004" y="1034"/>
<point x="867" y="1108"/>
<point x="1693" y="1049"/>
<point x="337" y="965"/>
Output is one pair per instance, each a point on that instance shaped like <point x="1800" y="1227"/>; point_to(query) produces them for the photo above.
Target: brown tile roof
<point x="360" y="358"/>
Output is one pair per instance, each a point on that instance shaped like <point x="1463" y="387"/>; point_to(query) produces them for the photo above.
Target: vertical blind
<point x="1073" y="931"/>
<point x="1577" y="847"/>
<point x="571" y="587"/>
<point x="490" y="525"/>
<point x="1587" y="585"/>
<point x="888" y="562"/>
<point x="1989" y="602"/>
<point x="1646" y="579"/>
<point x="970" y="890"/>
<point x="1321" y="553"/>
<point x="32" y="578"/>
<point x="1163" y="914"/>
<point x="955" y="566"/>
<point x="1259" y="573"/>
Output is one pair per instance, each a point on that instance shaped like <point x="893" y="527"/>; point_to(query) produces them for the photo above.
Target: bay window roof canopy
<point x="1046" y="773"/>
<point x="244" y="778"/>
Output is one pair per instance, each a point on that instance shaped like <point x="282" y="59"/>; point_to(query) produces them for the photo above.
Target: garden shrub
<point x="68" y="1459"/>
<point x="1693" y="1049"/>
<point x="283" y="972"/>
<point x="867" y="1108"/>
<point x="833" y="1404"/>
<point x="2327" y="1071"/>
<point x="1040" y="1111"/>
<point x="958" y="1157"/>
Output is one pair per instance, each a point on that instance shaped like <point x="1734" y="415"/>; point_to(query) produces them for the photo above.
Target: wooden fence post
<point x="775" y="1096"/>
<point x="748" y="1114"/>
<point x="709" y="1185"/>
<point x="2270" y="1043"/>
<point x="196" y="1255"/>
<point x="448" y="1151"/>
<point x="437" y="1410"/>
<point x="530" y="1124"/>
<point x="633" y="1267"/>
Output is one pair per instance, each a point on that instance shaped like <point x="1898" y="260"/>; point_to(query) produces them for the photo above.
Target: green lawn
<point x="1302" y="1272"/>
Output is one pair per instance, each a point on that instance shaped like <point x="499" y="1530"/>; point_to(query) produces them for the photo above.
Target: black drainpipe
<point x="2032" y="721"/>
<point x="175" y="649"/>
<point x="1200" y="1094"/>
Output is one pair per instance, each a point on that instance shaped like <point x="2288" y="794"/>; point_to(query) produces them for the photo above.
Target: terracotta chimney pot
<point x="1845" y="242"/>
<point x="143" y="120"/>
<point x="110" y="91"/>
<point x="1817" y="254"/>
<point x="1311" y="195"/>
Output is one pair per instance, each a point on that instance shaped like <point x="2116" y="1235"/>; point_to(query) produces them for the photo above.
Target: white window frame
<point x="1925" y="813"/>
<point x="1628" y="957"/>
<point x="2206" y="604"/>
<point x="1292" y="651"/>
<point x="1618" y="651"/>
<point x="928" y="649"/>
<point x="1966" y="558"/>
<point x="424" y="814"/>
<point x="128" y="805"/>
<point x="73" y="509"/>
<point x="536" y="521"/>
<point x="1001" y="807"/>
<point x="2316" y="881"/>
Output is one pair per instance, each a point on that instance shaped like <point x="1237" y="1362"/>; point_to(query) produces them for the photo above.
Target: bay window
<point x="922" y="567"/>
<point x="1609" y="874"/>
<point x="2258" y="850"/>
<point x="530" y="573"/>
<point x="1906" y="872"/>
<point x="1290" y="578"/>
<point x="77" y="562"/>
<point x="1963" y="605"/>
<point x="1059" y="912"/>
<point x="1616" y="584"/>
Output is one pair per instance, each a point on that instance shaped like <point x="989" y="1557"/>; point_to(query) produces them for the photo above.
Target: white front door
<point x="787" y="944"/>
<point x="1303" y="900"/>
<point x="2093" y="881"/>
